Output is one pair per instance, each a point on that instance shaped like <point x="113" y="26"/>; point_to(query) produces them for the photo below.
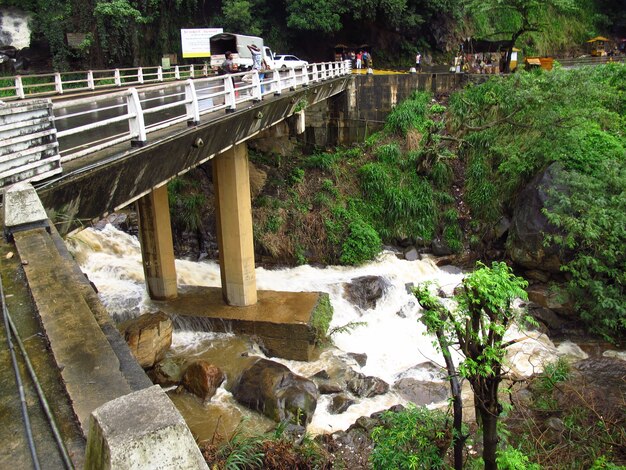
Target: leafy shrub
<point x="362" y="243"/>
<point x="514" y="459"/>
<point x="415" y="438"/>
<point x="410" y="114"/>
<point x="388" y="154"/>
<point x="322" y="161"/>
<point x="296" y="176"/>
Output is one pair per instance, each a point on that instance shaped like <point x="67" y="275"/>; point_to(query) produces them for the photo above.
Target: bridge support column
<point x="234" y="226"/>
<point x="157" y="246"/>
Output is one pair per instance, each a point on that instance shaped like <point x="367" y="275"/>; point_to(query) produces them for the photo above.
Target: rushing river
<point x="391" y="335"/>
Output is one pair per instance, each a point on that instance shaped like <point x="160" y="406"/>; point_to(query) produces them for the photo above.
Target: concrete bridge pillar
<point x="157" y="246"/>
<point x="234" y="226"/>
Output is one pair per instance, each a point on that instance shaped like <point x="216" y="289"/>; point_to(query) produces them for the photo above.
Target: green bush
<point x="415" y="438"/>
<point x="410" y="114"/>
<point x="514" y="459"/>
<point x="362" y="243"/>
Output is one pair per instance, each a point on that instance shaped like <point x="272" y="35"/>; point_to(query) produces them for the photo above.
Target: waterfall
<point x="14" y="30"/>
<point x="391" y="334"/>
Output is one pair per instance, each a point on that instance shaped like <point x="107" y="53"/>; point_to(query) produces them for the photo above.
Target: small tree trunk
<point x="490" y="438"/>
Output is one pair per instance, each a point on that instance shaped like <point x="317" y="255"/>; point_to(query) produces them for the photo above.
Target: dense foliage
<point x="516" y="126"/>
<point x="139" y="32"/>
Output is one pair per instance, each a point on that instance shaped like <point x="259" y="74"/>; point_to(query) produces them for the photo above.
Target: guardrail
<point x="33" y="86"/>
<point x="581" y="61"/>
<point x="88" y="125"/>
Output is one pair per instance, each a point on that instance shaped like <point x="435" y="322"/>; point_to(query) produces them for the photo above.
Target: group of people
<point x="360" y="60"/>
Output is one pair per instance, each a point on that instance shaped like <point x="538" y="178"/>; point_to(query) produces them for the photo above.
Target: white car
<point x="288" y="61"/>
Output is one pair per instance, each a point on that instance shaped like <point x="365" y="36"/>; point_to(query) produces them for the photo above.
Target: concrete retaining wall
<point x="362" y="109"/>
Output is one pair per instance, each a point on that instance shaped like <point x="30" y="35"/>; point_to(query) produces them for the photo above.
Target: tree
<point x="477" y="326"/>
<point x="513" y="18"/>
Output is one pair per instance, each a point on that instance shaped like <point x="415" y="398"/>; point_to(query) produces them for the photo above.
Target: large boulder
<point x="525" y="243"/>
<point x="167" y="372"/>
<point x="202" y="379"/>
<point x="365" y="291"/>
<point x="367" y="386"/>
<point x="148" y="336"/>
<point x="274" y="390"/>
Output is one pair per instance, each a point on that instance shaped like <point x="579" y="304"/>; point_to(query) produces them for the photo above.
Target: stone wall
<point x="361" y="110"/>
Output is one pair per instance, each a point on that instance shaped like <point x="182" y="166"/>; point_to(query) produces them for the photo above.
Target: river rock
<point x="529" y="224"/>
<point x="621" y="355"/>
<point x="554" y="299"/>
<point x="420" y="392"/>
<point x="527" y="357"/>
<point x="274" y="390"/>
<point x="367" y="386"/>
<point x="571" y="351"/>
<point x="411" y="254"/>
<point x="360" y="358"/>
<point x="328" y="388"/>
<point x="148" y="336"/>
<point x="425" y="371"/>
<point x="202" y="379"/>
<point x="340" y="403"/>
<point x="166" y="372"/>
<point x="365" y="291"/>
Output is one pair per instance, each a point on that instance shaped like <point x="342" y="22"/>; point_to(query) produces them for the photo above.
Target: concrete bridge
<point x="82" y="180"/>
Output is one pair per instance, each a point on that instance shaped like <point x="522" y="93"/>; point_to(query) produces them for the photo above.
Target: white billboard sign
<point x="196" y="41"/>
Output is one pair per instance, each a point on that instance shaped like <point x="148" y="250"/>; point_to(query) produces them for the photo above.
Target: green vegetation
<point x="269" y="451"/>
<point x="514" y="127"/>
<point x="321" y="317"/>
<point x="483" y="314"/>
<point x="415" y="438"/>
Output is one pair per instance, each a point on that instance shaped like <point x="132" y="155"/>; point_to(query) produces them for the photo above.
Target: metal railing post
<point x="160" y="73"/>
<point x="314" y="74"/>
<point x="19" y="87"/>
<point x="229" y="97"/>
<point x="90" y="83"/>
<point x="136" y="124"/>
<point x="292" y="78"/>
<point x="276" y="82"/>
<point x="305" y="75"/>
<point x="256" y="86"/>
<point x="58" y="83"/>
<point x="191" y="103"/>
<point x="140" y="75"/>
<point x="176" y="73"/>
<point x="118" y="78"/>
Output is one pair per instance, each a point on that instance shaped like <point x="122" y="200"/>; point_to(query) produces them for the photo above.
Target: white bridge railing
<point x="88" y="125"/>
<point x="34" y="86"/>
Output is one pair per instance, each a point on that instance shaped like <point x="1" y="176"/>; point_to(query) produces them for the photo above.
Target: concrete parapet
<point x="139" y="431"/>
<point x="22" y="208"/>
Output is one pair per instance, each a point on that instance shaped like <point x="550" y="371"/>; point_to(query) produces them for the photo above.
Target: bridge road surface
<point x="117" y="108"/>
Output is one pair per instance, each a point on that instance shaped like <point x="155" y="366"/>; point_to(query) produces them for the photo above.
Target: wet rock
<point x="537" y="275"/>
<point x="124" y="221"/>
<point x="322" y="374"/>
<point x="554" y="299"/>
<point x="409" y="286"/>
<point x="440" y="248"/>
<point x="365" y="291"/>
<point x="529" y="224"/>
<point x="360" y="358"/>
<point x="621" y="355"/>
<point x="328" y="388"/>
<point x="545" y="316"/>
<point x="340" y="403"/>
<point x="166" y="372"/>
<point x="421" y="392"/>
<point x="148" y="336"/>
<point x="501" y="228"/>
<point x="367" y="386"/>
<point x="426" y="371"/>
<point x="570" y="351"/>
<point x="555" y="424"/>
<point x="411" y="254"/>
<point x="274" y="390"/>
<point x="202" y="379"/>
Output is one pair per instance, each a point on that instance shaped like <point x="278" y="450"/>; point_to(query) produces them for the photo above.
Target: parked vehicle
<point x="238" y="44"/>
<point x="283" y="61"/>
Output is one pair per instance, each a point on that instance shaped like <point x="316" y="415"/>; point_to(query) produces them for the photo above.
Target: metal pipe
<point x="42" y="397"/>
<point x="18" y="380"/>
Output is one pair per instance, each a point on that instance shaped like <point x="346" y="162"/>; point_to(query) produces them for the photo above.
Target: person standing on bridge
<point x="257" y="62"/>
<point x="418" y="62"/>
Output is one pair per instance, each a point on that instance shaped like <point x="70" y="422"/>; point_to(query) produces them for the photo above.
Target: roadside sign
<point x="196" y="41"/>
